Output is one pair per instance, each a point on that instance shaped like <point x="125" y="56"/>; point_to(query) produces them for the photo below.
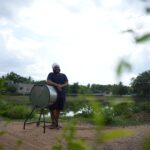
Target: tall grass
<point x="14" y="111"/>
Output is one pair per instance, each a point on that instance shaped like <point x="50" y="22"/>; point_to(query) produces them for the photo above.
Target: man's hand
<point x="59" y="87"/>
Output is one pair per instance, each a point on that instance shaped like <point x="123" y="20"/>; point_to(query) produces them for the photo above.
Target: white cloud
<point x="9" y="8"/>
<point x="84" y="37"/>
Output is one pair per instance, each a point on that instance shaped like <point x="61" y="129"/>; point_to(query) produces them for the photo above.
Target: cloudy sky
<point x="85" y="37"/>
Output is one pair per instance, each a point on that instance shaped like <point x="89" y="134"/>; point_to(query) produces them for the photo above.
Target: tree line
<point x="139" y="86"/>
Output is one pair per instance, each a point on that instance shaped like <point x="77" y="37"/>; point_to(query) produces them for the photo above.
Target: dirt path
<point x="13" y="137"/>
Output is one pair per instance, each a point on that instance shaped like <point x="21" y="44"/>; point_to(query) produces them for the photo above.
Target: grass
<point x="13" y="110"/>
<point x="120" y="110"/>
<point x="16" y="107"/>
<point x="22" y="100"/>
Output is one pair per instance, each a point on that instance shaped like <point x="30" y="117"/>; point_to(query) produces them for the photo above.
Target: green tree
<point x="74" y="88"/>
<point x="119" y="89"/>
<point x="11" y="88"/>
<point x="17" y="78"/>
<point x="83" y="89"/>
<point x="2" y="85"/>
<point x="97" y="88"/>
<point x="141" y="84"/>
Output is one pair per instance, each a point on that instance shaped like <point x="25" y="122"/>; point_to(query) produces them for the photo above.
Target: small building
<point x="23" y="88"/>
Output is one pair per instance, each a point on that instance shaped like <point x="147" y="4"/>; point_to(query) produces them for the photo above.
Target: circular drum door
<point x="43" y="95"/>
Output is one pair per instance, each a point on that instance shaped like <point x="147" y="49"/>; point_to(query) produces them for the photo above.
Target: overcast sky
<point x="85" y="37"/>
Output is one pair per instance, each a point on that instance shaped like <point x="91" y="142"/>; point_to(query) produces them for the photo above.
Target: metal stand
<point x="39" y="119"/>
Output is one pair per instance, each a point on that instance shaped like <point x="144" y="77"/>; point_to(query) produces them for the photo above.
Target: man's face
<point x="56" y="69"/>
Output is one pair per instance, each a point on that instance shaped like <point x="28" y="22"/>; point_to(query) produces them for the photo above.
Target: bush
<point x="123" y="109"/>
<point x="14" y="111"/>
<point x="108" y="114"/>
<point x="121" y="120"/>
<point x="17" y="112"/>
<point x="145" y="106"/>
<point x="4" y="106"/>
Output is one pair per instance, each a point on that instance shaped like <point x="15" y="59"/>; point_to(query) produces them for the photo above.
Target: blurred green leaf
<point x="129" y="31"/>
<point x="2" y="133"/>
<point x="147" y="143"/>
<point x="69" y="131"/>
<point x="116" y="134"/>
<point x="57" y="147"/>
<point x="143" y="38"/>
<point x="77" y="145"/>
<point x="122" y="65"/>
<point x="1" y="147"/>
<point x="148" y="10"/>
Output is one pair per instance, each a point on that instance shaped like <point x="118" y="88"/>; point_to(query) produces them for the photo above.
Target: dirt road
<point x="13" y="137"/>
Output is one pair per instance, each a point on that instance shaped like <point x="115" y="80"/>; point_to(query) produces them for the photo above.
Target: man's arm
<point x="59" y="86"/>
<point x="65" y="84"/>
<point x="49" y="82"/>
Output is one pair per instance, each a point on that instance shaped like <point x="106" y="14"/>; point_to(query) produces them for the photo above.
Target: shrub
<point x="108" y="114"/>
<point x="4" y="106"/>
<point x="121" y="120"/>
<point x="145" y="106"/>
<point x="14" y="111"/>
<point x="123" y="109"/>
<point x="17" y="112"/>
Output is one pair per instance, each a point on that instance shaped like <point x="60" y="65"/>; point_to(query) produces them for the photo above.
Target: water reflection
<point x="86" y="110"/>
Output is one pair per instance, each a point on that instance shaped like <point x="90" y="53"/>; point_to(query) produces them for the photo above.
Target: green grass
<point x="22" y="100"/>
<point x="13" y="110"/>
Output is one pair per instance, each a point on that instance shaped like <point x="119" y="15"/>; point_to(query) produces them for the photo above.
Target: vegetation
<point x="17" y="78"/>
<point x="113" y="113"/>
<point x="13" y="110"/>
<point x="146" y="144"/>
<point x="98" y="110"/>
<point x="115" y="110"/>
<point x="116" y="134"/>
<point x="141" y="84"/>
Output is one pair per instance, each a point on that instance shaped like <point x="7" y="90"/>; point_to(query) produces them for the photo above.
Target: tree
<point x="2" y="85"/>
<point x="17" y="78"/>
<point x="83" y="89"/>
<point x="119" y="89"/>
<point x="97" y="88"/>
<point x="141" y="84"/>
<point x="11" y="89"/>
<point x="74" y="89"/>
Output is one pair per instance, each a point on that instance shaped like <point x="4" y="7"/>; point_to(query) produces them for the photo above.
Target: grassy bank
<point x="120" y="110"/>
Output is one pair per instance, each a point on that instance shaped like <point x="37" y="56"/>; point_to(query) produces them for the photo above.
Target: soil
<point x="14" y="137"/>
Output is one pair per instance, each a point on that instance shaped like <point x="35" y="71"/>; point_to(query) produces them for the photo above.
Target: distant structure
<point x="23" y="88"/>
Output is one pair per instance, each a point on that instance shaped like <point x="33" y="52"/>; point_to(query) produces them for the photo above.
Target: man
<point x="59" y="81"/>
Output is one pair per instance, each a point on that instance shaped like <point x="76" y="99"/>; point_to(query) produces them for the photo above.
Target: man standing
<point x="59" y="81"/>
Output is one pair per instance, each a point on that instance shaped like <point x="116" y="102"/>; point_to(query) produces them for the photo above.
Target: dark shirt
<point x="58" y="78"/>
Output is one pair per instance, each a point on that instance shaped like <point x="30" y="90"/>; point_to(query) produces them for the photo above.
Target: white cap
<point x="55" y="65"/>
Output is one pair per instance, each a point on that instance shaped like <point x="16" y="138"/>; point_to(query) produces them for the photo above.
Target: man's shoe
<point x="53" y="126"/>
